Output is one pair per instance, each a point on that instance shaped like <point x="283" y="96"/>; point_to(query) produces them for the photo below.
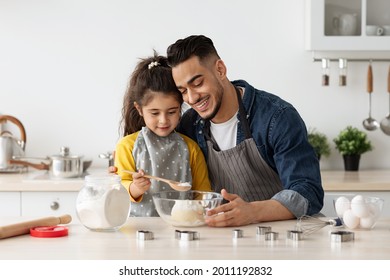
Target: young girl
<point x="151" y="111"/>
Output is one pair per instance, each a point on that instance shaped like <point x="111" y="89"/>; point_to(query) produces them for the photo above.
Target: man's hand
<point x="236" y="212"/>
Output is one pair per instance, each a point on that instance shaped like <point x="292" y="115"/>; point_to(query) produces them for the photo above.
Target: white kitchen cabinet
<point x="329" y="211"/>
<point x="10" y="204"/>
<point x="330" y="25"/>
<point x="48" y="203"/>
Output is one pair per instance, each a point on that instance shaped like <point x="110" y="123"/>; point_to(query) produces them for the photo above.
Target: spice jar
<point x="342" y="72"/>
<point x="325" y="72"/>
<point x="103" y="204"/>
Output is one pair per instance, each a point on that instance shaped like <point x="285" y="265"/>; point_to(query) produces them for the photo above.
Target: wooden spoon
<point x="181" y="187"/>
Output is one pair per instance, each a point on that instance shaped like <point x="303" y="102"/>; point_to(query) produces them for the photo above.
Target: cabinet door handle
<point x="54" y="205"/>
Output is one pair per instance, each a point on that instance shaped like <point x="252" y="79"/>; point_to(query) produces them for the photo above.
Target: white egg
<point x="359" y="207"/>
<point x="350" y="220"/>
<point x="341" y="205"/>
<point x="367" y="222"/>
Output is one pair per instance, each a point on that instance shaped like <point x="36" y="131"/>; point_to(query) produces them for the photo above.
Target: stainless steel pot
<point x="63" y="165"/>
<point x="9" y="145"/>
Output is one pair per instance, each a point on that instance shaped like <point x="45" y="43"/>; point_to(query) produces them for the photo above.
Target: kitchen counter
<point x="214" y="243"/>
<point x="40" y="181"/>
<point x="363" y="180"/>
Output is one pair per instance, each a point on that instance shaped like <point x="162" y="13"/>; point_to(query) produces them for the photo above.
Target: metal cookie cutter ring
<point x="295" y="235"/>
<point x="238" y="233"/>
<point x="262" y="230"/>
<point x="186" y="235"/>
<point x="342" y="236"/>
<point x="144" y="235"/>
<point x="271" y="235"/>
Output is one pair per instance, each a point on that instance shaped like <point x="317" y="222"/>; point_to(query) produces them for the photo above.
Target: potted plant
<point x="351" y="143"/>
<point x="319" y="142"/>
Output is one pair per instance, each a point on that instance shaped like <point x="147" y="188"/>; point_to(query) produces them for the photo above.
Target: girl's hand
<point x="140" y="184"/>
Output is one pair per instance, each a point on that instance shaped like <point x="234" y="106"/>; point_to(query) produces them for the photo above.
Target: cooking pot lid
<point x="65" y="154"/>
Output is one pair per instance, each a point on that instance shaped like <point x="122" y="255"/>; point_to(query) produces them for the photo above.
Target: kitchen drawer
<point x="49" y="203"/>
<point x="10" y="204"/>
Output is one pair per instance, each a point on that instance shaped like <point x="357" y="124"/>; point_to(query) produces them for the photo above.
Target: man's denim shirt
<point x="281" y="138"/>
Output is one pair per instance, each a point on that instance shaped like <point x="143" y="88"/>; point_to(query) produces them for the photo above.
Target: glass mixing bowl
<point x="358" y="211"/>
<point x="185" y="209"/>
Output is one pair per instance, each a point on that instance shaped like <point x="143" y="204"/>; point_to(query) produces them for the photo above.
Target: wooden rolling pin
<point x="24" y="227"/>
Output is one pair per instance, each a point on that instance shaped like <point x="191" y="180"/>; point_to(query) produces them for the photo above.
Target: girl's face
<point x="161" y="114"/>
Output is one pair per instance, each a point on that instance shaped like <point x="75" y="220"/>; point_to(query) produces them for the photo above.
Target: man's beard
<point x="217" y="106"/>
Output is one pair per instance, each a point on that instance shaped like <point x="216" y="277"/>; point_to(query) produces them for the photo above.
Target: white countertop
<point x="40" y="181"/>
<point x="363" y="180"/>
<point x="214" y="243"/>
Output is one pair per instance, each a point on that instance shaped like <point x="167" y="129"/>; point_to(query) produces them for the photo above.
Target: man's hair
<point x="195" y="45"/>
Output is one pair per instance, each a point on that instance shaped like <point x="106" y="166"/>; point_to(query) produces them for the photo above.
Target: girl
<point x="151" y="111"/>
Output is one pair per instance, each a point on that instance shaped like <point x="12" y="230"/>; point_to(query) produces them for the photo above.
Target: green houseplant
<point x="351" y="143"/>
<point x="319" y="142"/>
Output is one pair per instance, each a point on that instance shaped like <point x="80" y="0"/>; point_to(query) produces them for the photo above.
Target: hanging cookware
<point x="9" y="145"/>
<point x="63" y="165"/>
<point x="370" y="123"/>
<point x="385" y="123"/>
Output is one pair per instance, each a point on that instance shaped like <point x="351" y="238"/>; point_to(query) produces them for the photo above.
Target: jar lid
<point x="53" y="231"/>
<point x="103" y="178"/>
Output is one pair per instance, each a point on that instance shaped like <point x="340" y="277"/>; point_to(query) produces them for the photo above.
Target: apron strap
<point x="243" y="116"/>
<point x="243" y="119"/>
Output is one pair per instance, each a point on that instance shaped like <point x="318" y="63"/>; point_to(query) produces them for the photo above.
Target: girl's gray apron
<point x="241" y="170"/>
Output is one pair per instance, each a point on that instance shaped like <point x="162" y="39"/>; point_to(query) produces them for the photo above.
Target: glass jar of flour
<point x="103" y="204"/>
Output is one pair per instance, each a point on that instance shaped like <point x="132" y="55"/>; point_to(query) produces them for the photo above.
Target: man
<point x="254" y="142"/>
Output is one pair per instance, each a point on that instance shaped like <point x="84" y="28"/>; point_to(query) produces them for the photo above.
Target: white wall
<point x="64" y="66"/>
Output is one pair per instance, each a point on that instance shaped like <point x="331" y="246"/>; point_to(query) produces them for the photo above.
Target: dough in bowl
<point x="187" y="212"/>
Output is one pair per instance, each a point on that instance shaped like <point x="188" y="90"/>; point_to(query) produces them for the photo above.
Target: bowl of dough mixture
<point x="185" y="209"/>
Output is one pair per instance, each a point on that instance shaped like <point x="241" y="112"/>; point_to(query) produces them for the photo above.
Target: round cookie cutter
<point x="238" y="233"/>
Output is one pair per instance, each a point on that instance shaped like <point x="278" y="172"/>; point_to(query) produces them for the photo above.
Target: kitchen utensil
<point x="63" y="165"/>
<point x="24" y="227"/>
<point x="145" y="235"/>
<point x="187" y="235"/>
<point x="173" y="184"/>
<point x="342" y="236"/>
<point x="185" y="209"/>
<point x="9" y="145"/>
<point x="310" y="224"/>
<point x="295" y="235"/>
<point x="385" y="123"/>
<point x="370" y="123"/>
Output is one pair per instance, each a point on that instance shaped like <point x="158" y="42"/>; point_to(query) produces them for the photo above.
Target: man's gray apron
<point x="241" y="170"/>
